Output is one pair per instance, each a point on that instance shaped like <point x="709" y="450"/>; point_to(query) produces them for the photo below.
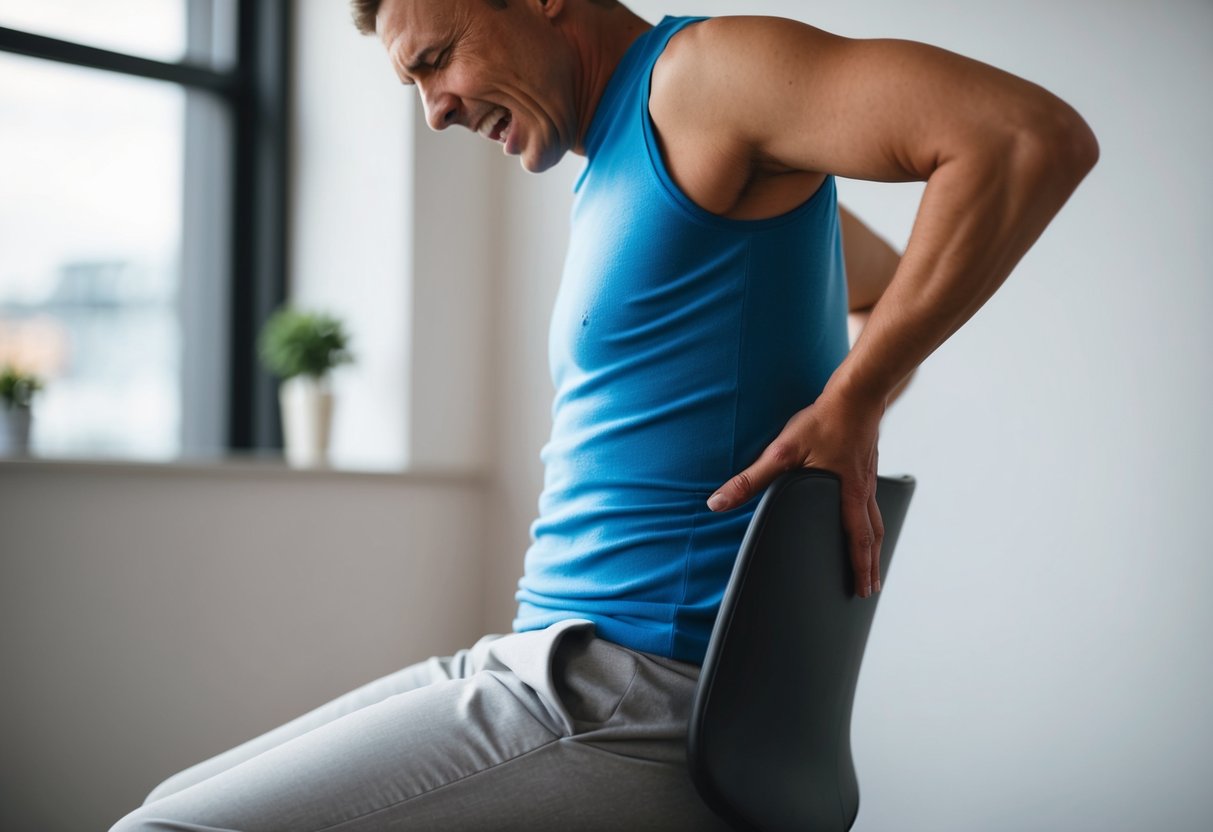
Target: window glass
<point x="90" y="238"/>
<point x="147" y="28"/>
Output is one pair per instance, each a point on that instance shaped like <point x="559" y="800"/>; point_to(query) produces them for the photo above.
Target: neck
<point x="602" y="34"/>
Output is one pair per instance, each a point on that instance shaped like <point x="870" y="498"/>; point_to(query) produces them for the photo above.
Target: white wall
<point x="454" y="294"/>
<point x="1038" y="659"/>
<point x="350" y="243"/>
<point x="533" y="233"/>
<point x="375" y="199"/>
<point x="151" y="616"/>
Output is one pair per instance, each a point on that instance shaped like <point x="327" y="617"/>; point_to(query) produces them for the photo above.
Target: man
<point x="699" y="348"/>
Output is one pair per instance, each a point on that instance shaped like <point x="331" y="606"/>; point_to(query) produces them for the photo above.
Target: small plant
<point x="17" y="388"/>
<point x="295" y="343"/>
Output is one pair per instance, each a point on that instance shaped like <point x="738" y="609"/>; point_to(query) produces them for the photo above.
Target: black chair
<point x="769" y="741"/>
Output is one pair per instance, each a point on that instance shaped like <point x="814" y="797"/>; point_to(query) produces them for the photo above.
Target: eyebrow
<point x="421" y="61"/>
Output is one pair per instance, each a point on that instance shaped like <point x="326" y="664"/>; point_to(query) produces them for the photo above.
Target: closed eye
<point x="425" y="66"/>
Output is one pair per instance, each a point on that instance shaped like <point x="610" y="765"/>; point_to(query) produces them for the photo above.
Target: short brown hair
<point x="364" y="13"/>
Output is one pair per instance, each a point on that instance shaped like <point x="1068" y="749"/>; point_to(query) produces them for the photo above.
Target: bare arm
<point x="870" y="264"/>
<point x="1000" y="156"/>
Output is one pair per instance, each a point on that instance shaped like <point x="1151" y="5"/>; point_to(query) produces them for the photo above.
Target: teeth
<point x="490" y="121"/>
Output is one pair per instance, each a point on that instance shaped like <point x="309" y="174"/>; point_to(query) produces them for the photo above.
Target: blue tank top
<point x="681" y="342"/>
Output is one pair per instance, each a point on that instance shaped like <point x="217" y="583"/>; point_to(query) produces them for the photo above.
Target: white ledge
<point x="237" y="465"/>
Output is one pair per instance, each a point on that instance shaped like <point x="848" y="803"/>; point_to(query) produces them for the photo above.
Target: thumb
<point x="751" y="481"/>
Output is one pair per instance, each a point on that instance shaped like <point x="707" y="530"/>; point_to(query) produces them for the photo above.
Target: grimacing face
<point x="504" y="73"/>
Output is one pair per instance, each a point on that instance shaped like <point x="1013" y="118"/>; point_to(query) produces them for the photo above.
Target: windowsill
<point x="235" y="464"/>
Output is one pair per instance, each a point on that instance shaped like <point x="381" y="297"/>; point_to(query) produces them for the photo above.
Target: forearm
<point x="978" y="216"/>
<point x="871" y="265"/>
<point x="856" y="321"/>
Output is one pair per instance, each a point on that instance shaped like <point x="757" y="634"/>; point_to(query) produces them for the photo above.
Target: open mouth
<point x="496" y="125"/>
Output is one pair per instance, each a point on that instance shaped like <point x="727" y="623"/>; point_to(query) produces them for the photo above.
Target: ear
<point x="551" y="8"/>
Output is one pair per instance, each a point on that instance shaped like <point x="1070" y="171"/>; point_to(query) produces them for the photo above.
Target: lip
<point x="511" y="138"/>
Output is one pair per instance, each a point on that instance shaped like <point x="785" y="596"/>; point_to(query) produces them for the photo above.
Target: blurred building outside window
<point x="98" y="171"/>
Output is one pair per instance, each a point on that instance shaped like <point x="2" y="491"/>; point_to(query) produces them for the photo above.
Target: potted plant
<point x="302" y="349"/>
<point x="17" y="389"/>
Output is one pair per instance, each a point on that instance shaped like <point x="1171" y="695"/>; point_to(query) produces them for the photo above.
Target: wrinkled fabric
<point x="551" y="729"/>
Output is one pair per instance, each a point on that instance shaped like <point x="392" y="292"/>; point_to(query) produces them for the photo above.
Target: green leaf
<point x="294" y="343"/>
<point x="17" y="388"/>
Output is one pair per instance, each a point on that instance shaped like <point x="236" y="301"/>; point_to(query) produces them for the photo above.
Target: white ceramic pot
<point x="307" y="417"/>
<point x="14" y="430"/>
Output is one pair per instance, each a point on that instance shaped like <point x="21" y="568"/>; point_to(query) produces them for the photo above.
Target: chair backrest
<point x="769" y="741"/>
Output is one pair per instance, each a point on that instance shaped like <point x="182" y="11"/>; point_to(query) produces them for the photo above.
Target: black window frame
<point x="255" y="92"/>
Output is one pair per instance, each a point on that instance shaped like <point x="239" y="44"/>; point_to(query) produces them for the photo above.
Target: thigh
<point x="619" y="761"/>
<point x="546" y="732"/>
<point x="361" y="770"/>
<point x="414" y="676"/>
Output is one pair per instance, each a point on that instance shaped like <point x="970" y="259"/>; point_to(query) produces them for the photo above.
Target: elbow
<point x="1060" y="145"/>
<point x="1089" y="144"/>
<point x="1076" y="144"/>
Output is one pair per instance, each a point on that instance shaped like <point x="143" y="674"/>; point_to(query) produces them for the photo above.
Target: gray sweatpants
<point x="550" y="729"/>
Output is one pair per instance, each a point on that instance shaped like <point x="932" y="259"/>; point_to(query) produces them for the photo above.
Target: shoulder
<point x="735" y="73"/>
<point x="694" y="61"/>
<point x="736" y="57"/>
<point x="705" y="42"/>
<point x="719" y="90"/>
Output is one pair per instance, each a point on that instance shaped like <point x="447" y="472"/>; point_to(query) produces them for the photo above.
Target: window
<point x="148" y="28"/>
<point x="141" y="219"/>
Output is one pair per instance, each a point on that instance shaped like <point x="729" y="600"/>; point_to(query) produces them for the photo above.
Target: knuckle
<point x="864" y="540"/>
<point x="857" y="489"/>
<point x="743" y="482"/>
<point x="783" y="453"/>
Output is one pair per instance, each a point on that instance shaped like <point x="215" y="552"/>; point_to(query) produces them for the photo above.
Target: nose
<point x="441" y="109"/>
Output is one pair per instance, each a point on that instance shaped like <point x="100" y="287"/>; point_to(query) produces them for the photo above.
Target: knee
<point x="147" y="818"/>
<point x="172" y="785"/>
<point x="163" y="790"/>
<point x="141" y="821"/>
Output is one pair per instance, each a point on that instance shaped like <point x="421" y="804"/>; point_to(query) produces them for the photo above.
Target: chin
<point x="540" y="162"/>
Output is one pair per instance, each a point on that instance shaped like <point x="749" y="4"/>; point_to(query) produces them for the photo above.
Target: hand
<point x="840" y="437"/>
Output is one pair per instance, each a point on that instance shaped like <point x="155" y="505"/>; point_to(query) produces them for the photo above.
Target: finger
<point x="877" y="539"/>
<point x="775" y="459"/>
<point x="858" y="527"/>
<point x="875" y="519"/>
